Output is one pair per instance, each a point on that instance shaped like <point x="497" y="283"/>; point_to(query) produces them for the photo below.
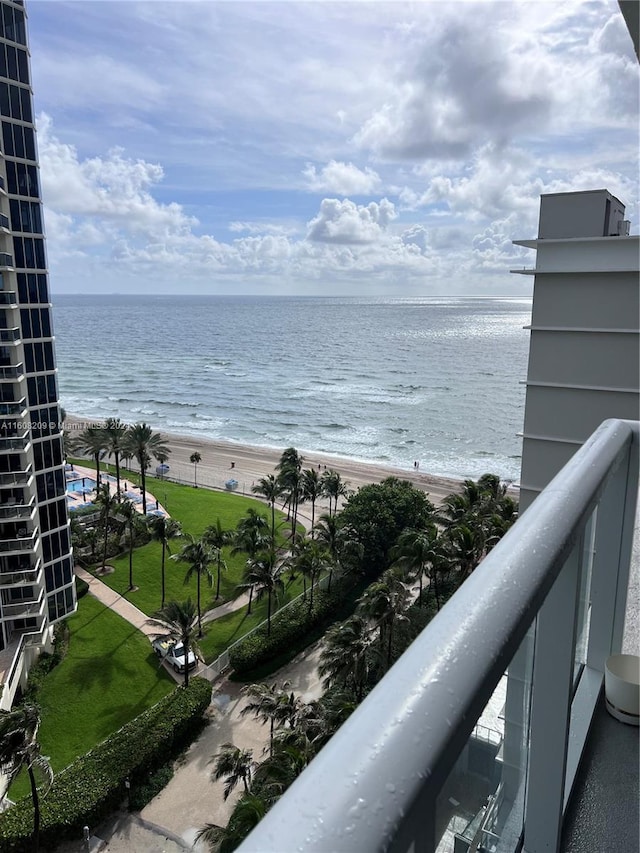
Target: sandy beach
<point x="222" y="461"/>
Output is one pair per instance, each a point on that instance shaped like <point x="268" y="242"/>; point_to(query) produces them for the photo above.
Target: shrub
<point x="287" y="627"/>
<point x="82" y="587"/>
<point x="143" y="793"/>
<point x="93" y="786"/>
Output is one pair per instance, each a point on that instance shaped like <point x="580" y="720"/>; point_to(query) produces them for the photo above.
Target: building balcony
<point x="9" y="298"/>
<point x="9" y="336"/>
<point x="12" y="372"/>
<point x="14" y="443"/>
<point x="4" y="222"/>
<point x="9" y="479"/>
<point x="17" y="508"/>
<point x="24" y="609"/>
<point x="13" y="408"/>
<point x="27" y="577"/>
<point x="6" y="261"/>
<point x="473" y="740"/>
<point x="24" y="540"/>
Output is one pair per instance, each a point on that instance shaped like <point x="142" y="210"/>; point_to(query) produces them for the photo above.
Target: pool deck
<point x="78" y="499"/>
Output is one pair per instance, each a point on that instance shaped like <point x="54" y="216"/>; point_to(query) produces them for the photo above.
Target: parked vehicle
<point x="173" y="653"/>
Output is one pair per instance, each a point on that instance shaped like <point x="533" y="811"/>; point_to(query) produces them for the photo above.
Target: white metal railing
<point x="380" y="782"/>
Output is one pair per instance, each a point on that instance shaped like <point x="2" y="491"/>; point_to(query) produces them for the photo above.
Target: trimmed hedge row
<point x="287" y="627"/>
<point x="93" y="786"/>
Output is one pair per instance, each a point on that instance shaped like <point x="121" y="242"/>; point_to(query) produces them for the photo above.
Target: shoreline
<point x="250" y="463"/>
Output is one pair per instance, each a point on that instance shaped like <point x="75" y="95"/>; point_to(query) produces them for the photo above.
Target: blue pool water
<point x="79" y="485"/>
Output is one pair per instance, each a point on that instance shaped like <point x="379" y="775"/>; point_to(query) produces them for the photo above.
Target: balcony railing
<point x="24" y="609"/>
<point x="8" y="297"/>
<point x="384" y="781"/>
<point x="16" y="478"/>
<point x="22" y="541"/>
<point x="13" y="408"/>
<point x="13" y="371"/>
<point x="4" y="221"/>
<point x="19" y="443"/>
<point x="6" y="260"/>
<point x="9" y="336"/>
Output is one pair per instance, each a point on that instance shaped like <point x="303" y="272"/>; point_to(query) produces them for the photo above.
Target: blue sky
<point x="321" y="148"/>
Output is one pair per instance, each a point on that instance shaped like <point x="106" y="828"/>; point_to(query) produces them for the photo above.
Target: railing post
<point x="610" y="570"/>
<point x="550" y="709"/>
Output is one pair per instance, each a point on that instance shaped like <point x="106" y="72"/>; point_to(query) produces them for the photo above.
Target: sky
<point x="321" y="148"/>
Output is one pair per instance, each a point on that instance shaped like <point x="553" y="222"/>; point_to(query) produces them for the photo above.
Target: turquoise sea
<point x="437" y="380"/>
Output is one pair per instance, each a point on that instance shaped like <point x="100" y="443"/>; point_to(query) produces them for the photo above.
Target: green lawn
<point x="195" y="509"/>
<point x="108" y="676"/>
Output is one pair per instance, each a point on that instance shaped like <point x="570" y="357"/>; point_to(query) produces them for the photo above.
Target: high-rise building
<point x="36" y="567"/>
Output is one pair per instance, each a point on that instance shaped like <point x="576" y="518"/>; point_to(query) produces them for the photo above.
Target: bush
<point x="82" y="587"/>
<point x="287" y="627"/>
<point x="94" y="785"/>
<point x="145" y="792"/>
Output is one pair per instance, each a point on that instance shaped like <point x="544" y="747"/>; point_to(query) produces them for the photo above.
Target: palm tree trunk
<point x="35" y="838"/>
<point x="130" y="558"/>
<point x="199" y="616"/>
<point x="186" y="663"/>
<point x="218" y="583"/>
<point x="106" y="542"/>
<point x="313" y="517"/>
<point x="143" y="486"/>
<point x="311" y="594"/>
<point x="250" y="598"/>
<point x="164" y="546"/>
<point x="117" y="458"/>
<point x="273" y="523"/>
<point x="269" y="614"/>
<point x="97" y="458"/>
<point x="330" y="576"/>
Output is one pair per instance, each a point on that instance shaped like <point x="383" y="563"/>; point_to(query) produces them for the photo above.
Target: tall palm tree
<point x="217" y="538"/>
<point x="270" y="489"/>
<point x="345" y="552"/>
<point x="385" y="603"/>
<point x="179" y="619"/>
<point x="163" y="530"/>
<point x="415" y="552"/>
<point x="268" y="703"/>
<point x="199" y="556"/>
<point x="108" y="504"/>
<point x="195" y="459"/>
<point x="116" y="438"/>
<point x="133" y="524"/>
<point x="311" y="559"/>
<point x="93" y="441"/>
<point x="290" y="478"/>
<point x="251" y="534"/>
<point x="143" y="443"/>
<point x="235" y="764"/>
<point x="333" y="488"/>
<point x="344" y="660"/>
<point x="19" y="749"/>
<point x="266" y="570"/>
<point x="311" y="491"/>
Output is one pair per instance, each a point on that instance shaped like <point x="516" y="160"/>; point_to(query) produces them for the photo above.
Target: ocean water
<point x="437" y="380"/>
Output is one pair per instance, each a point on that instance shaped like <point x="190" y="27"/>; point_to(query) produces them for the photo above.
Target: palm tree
<point x="311" y="491"/>
<point x="273" y="705"/>
<point x="251" y="534"/>
<point x="116" y="438"/>
<point x="270" y="489"/>
<point x="345" y="552"/>
<point x="217" y="538"/>
<point x="236" y="765"/>
<point x="246" y="815"/>
<point x="93" y="441"/>
<point x="195" y="458"/>
<point x="333" y="488"/>
<point x="19" y="749"/>
<point x="133" y="524"/>
<point x="143" y="444"/>
<point x="266" y="571"/>
<point x="344" y="659"/>
<point x="385" y="603"/>
<point x="290" y="479"/>
<point x="311" y="559"/>
<point x="415" y="552"/>
<point x="163" y="530"/>
<point x="199" y="557"/>
<point x="179" y="619"/>
<point x="108" y="504"/>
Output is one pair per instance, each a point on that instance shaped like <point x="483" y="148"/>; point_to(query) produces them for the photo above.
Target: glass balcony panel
<point x="584" y="600"/>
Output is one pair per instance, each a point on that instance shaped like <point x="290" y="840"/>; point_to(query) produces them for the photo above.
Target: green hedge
<point x="287" y="627"/>
<point x="93" y="786"/>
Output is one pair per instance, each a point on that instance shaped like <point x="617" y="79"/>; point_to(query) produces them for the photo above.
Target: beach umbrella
<point x="162" y="469"/>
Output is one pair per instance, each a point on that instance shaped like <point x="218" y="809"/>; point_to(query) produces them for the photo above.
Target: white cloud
<point x="342" y="178"/>
<point x="346" y="222"/>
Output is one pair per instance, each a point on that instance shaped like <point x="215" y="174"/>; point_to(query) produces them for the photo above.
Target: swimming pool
<point x="82" y="483"/>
